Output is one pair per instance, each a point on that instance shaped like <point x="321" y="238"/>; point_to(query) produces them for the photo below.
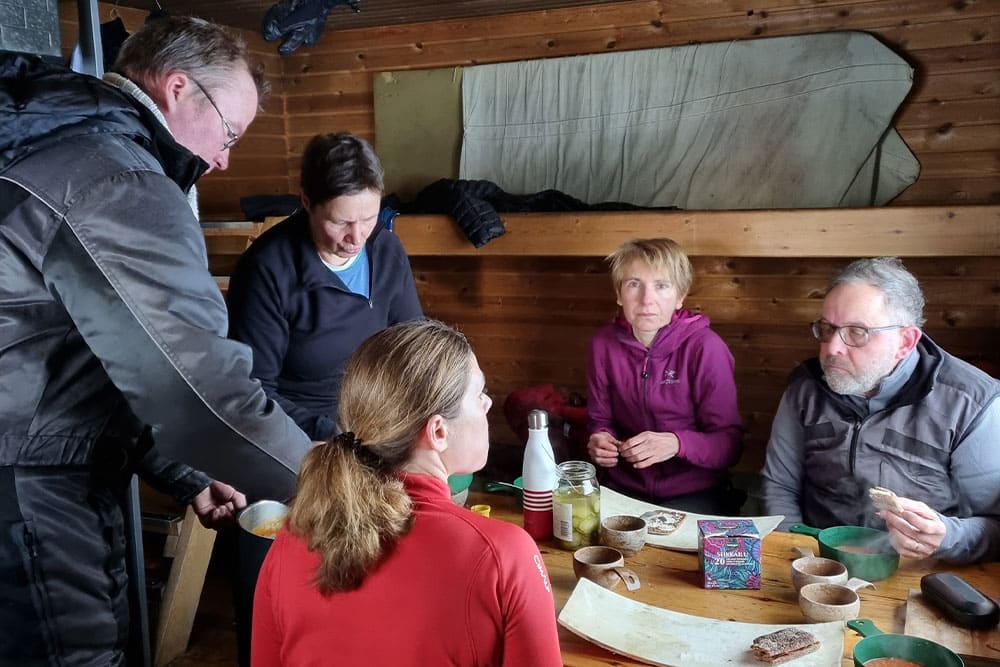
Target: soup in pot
<point x="268" y="529"/>
<point x="852" y="549"/>
<point x="891" y="662"/>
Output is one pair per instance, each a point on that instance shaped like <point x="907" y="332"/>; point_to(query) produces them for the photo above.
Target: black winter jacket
<point x="109" y="319"/>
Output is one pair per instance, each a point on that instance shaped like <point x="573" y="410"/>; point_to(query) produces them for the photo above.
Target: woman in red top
<point x="377" y="565"/>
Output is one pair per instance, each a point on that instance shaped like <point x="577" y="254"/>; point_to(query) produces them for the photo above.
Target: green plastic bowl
<point x="459" y="487"/>
<point x="459" y="483"/>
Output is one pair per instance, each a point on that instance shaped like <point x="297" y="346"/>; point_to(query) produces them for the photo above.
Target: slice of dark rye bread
<point x="784" y="645"/>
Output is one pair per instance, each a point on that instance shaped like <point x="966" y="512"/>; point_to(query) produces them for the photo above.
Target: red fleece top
<point x="458" y="589"/>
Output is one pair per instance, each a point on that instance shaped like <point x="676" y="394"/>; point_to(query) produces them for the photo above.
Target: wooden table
<point x="670" y="580"/>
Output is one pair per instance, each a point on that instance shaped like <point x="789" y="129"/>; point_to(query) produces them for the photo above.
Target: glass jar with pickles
<point x="576" y="505"/>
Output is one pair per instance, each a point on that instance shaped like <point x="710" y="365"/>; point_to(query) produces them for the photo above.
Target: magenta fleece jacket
<point x="682" y="384"/>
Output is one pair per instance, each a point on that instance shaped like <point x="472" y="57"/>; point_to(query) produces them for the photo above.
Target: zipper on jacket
<point x="48" y="633"/>
<point x="29" y="543"/>
<point x="855" y="435"/>
<point x="644" y="376"/>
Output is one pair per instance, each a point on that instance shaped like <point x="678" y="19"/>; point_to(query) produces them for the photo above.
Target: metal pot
<point x="250" y="552"/>
<point x="915" y="649"/>
<point x="878" y="561"/>
<point x="251" y="546"/>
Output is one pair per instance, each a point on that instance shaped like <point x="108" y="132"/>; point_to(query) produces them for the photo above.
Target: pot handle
<point x="803" y="529"/>
<point x="630" y="578"/>
<point x="856" y="584"/>
<point x="500" y="487"/>
<point x="864" y="627"/>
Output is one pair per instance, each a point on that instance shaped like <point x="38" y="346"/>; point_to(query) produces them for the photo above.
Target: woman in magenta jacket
<point x="661" y="397"/>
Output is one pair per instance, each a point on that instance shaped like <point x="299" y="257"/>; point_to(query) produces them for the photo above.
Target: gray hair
<point x="899" y="287"/>
<point x="203" y="50"/>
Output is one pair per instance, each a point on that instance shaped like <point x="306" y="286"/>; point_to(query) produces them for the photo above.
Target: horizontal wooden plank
<point x="945" y="114"/>
<point x="932" y="191"/>
<point x="264" y="146"/>
<point x="267" y="124"/>
<point x="953" y="138"/>
<point x="304" y="127"/>
<point x="961" y="164"/>
<point x="839" y="15"/>
<point x="535" y="311"/>
<point x="478" y="47"/>
<point x="326" y="82"/>
<point x="902" y="231"/>
<point x="926" y="268"/>
<point x="341" y="103"/>
<point x="958" y="58"/>
<point x="931" y="86"/>
<point x="519" y="282"/>
<point x="244" y="167"/>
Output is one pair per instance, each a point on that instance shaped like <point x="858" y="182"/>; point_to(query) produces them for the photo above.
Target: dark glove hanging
<point x="301" y="21"/>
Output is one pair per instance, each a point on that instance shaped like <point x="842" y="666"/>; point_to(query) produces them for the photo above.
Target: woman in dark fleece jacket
<point x="661" y="397"/>
<point x="317" y="284"/>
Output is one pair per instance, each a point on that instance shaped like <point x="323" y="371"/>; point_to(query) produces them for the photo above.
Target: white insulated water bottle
<point x="538" y="477"/>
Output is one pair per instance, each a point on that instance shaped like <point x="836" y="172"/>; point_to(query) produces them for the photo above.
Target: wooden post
<point x="183" y="591"/>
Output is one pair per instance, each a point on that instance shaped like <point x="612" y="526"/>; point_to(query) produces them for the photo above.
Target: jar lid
<point x="576" y="470"/>
<point x="538" y="419"/>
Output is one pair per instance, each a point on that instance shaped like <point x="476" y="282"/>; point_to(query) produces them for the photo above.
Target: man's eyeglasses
<point x="232" y="137"/>
<point x="852" y="335"/>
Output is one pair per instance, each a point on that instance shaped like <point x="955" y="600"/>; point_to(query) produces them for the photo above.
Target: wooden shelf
<point x="926" y="231"/>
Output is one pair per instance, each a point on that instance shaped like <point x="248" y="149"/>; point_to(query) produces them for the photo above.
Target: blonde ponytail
<point x="351" y="507"/>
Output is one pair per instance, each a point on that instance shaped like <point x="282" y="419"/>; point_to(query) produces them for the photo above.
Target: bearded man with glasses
<point x="884" y="406"/>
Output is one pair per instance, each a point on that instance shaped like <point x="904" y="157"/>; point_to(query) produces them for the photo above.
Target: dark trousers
<point x="63" y="581"/>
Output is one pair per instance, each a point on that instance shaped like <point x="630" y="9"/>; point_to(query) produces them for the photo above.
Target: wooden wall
<point x="530" y="300"/>
<point x="951" y="120"/>
<point x="530" y="317"/>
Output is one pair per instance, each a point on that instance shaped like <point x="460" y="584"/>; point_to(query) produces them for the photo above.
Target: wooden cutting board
<point x="924" y="620"/>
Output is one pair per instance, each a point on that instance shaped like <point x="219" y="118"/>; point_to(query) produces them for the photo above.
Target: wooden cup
<point x="816" y="570"/>
<point x="604" y="566"/>
<point x="623" y="532"/>
<point x="821" y="603"/>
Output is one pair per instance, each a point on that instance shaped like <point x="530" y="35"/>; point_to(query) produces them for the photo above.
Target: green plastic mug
<point x="845" y="544"/>
<point x="877" y="644"/>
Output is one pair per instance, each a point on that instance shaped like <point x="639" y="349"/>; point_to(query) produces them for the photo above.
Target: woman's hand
<point x="648" y="448"/>
<point x="917" y="531"/>
<point x="603" y="449"/>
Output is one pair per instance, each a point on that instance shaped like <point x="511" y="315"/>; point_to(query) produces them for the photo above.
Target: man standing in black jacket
<point x="113" y="348"/>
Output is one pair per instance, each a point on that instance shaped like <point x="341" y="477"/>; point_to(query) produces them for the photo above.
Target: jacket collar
<point x="42" y="104"/>
<point x="908" y="383"/>
<point x="180" y="165"/>
<point x="683" y="323"/>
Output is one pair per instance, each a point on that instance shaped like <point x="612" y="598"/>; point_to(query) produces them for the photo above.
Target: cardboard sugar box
<point x="729" y="553"/>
